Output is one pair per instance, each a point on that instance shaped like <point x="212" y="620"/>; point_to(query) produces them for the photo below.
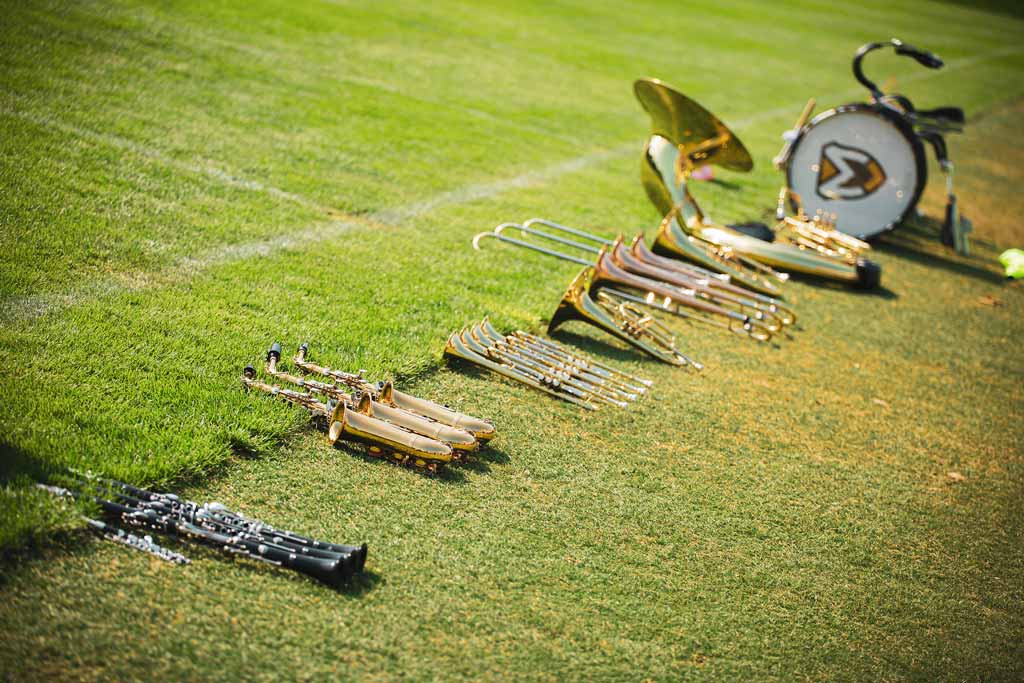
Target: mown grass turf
<point x="183" y="185"/>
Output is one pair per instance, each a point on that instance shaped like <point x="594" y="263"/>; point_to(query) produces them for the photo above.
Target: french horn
<point x="685" y="136"/>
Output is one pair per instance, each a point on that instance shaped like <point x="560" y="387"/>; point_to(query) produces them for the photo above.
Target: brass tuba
<point x="685" y="136"/>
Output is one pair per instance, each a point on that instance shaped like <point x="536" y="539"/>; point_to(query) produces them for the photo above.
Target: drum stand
<point x="955" y="227"/>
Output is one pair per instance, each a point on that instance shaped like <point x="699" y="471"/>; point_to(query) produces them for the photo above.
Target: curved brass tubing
<point x="624" y="258"/>
<point x="608" y="274"/>
<point x="785" y="313"/>
<point x="641" y="385"/>
<point x="817" y="233"/>
<point x="556" y="370"/>
<point x="702" y="278"/>
<point x="673" y="151"/>
<point x="458" y="439"/>
<point x="574" y="364"/>
<point x="461" y="348"/>
<point x="679" y="288"/>
<point x="385" y="393"/>
<point x="617" y="318"/>
<point x="382" y="438"/>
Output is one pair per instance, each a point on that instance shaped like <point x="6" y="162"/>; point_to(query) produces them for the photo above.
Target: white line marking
<point x="32" y="306"/>
<point x="208" y="169"/>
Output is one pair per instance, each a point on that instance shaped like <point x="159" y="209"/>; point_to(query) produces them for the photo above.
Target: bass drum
<point x="861" y="162"/>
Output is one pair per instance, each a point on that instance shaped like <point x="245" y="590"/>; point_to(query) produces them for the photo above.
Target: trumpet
<point x="675" y="292"/>
<point x="460" y="440"/>
<point x="818" y="233"/>
<point x="685" y="136"/>
<point x="358" y="424"/>
<point x="545" y="366"/>
<point x="385" y="393"/>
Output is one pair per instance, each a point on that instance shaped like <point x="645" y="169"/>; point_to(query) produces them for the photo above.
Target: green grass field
<point x="182" y="184"/>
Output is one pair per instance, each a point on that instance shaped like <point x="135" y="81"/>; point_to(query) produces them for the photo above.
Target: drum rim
<point x="901" y="125"/>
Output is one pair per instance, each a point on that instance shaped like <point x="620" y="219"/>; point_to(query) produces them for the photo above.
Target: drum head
<point x="863" y="164"/>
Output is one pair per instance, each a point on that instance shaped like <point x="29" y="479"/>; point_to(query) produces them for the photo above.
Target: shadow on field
<point x="449" y="475"/>
<point x="918" y="241"/>
<point x="597" y="347"/>
<point x="880" y="292"/>
<point x="359" y="585"/>
<point x="20" y="466"/>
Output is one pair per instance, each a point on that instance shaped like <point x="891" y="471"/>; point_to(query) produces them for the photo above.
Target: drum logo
<point x="847" y="173"/>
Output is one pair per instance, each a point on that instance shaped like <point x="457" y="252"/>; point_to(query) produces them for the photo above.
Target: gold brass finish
<point x="385" y="393"/>
<point x="460" y="440"/>
<point x="671" y="154"/>
<point x="545" y="365"/>
<point x="382" y="439"/>
<point x="818" y="233"/>
<point x="460" y="347"/>
<point x="615" y="315"/>
<point x="569" y="374"/>
<point x="607" y="273"/>
<point x="687" y="291"/>
<point x="701" y="138"/>
<point x="674" y="241"/>
<point x="710" y="285"/>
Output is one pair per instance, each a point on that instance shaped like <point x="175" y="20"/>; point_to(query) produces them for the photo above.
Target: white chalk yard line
<point x="336" y="223"/>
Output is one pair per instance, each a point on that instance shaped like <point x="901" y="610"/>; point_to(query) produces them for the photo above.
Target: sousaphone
<point x="684" y="137"/>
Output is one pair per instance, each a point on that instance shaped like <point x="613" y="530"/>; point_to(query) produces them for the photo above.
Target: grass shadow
<point x="359" y="585"/>
<point x="598" y="347"/>
<point x="20" y="466"/>
<point x="449" y="474"/>
<point x="916" y="241"/>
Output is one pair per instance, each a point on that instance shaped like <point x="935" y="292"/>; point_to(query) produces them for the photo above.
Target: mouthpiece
<point x="249" y="372"/>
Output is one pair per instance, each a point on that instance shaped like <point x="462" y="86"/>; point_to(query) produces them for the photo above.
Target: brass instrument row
<point x="391" y="424"/>
<point x="547" y="366"/>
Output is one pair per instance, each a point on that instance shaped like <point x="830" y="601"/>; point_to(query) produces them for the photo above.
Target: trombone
<point x="617" y="268"/>
<point x="640" y="260"/>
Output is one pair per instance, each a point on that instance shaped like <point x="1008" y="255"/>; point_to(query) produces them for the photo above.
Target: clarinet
<point x="142" y="543"/>
<point x="214" y="526"/>
<point x="215" y="516"/>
